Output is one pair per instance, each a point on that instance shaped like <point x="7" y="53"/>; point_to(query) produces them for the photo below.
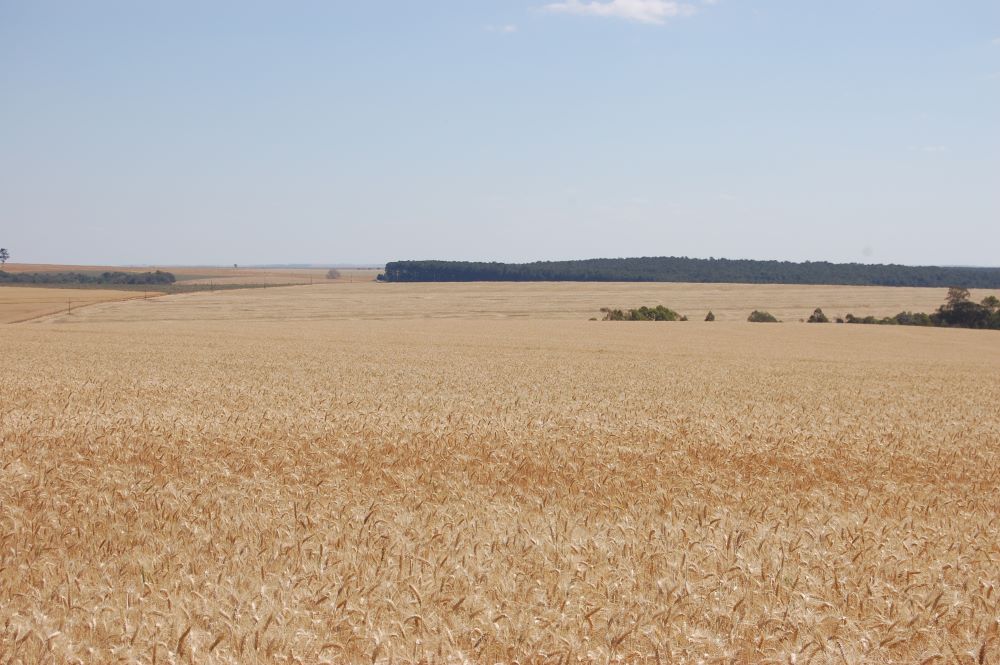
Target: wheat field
<point x="202" y="479"/>
<point x="370" y="300"/>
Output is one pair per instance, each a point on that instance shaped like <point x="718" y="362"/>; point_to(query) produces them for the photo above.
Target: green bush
<point x="758" y="316"/>
<point x="658" y="313"/>
<point x="818" y="317"/>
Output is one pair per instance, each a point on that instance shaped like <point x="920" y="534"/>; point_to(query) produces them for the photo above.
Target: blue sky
<point x="267" y="132"/>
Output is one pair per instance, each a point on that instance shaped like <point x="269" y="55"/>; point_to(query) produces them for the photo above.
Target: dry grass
<point x="20" y="303"/>
<point x="432" y="491"/>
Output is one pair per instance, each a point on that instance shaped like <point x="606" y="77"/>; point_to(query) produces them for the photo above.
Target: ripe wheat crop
<point x="449" y="491"/>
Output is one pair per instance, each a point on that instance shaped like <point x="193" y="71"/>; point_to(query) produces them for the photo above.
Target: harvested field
<point x="192" y="479"/>
<point x="19" y="303"/>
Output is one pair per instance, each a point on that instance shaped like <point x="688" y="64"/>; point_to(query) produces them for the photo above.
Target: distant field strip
<point x="20" y="303"/>
<point x="216" y="275"/>
<point x="538" y="300"/>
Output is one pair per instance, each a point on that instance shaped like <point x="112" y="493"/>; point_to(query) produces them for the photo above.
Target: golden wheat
<point x="214" y="486"/>
<point x="370" y="300"/>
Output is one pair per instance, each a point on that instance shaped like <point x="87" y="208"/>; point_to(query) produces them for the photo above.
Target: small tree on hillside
<point x="4" y="255"/>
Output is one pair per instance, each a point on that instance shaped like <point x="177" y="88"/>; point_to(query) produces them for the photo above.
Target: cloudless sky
<point x="270" y="132"/>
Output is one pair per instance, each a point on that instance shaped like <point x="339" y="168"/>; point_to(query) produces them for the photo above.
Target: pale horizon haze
<point x="184" y="133"/>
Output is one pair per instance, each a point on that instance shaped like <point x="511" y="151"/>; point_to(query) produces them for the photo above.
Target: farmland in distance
<point x="20" y="303"/>
<point x="369" y="300"/>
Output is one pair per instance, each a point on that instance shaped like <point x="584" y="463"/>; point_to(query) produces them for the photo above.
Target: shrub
<point x="913" y="319"/>
<point x="758" y="316"/>
<point x="658" y="313"/>
<point x="818" y="317"/>
<point x="333" y="273"/>
<point x="710" y="316"/>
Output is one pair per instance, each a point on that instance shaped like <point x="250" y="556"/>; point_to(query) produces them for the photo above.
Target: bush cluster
<point x="758" y="316"/>
<point x="818" y="317"/>
<point x="158" y="277"/>
<point x="958" y="311"/>
<point x="658" y="313"/>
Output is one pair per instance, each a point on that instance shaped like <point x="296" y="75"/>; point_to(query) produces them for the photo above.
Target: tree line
<point x="684" y="269"/>
<point x="958" y="311"/>
<point x="158" y="277"/>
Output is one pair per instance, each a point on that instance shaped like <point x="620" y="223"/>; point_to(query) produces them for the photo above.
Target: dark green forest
<point x="683" y="269"/>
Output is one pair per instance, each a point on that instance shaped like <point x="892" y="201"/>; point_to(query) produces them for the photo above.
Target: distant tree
<point x="333" y="273"/>
<point x="992" y="305"/>
<point x="956" y="295"/>
<point x="960" y="312"/>
<point x="4" y="255"/>
<point x="818" y="317"/>
<point x="758" y="316"/>
<point x="710" y="316"/>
